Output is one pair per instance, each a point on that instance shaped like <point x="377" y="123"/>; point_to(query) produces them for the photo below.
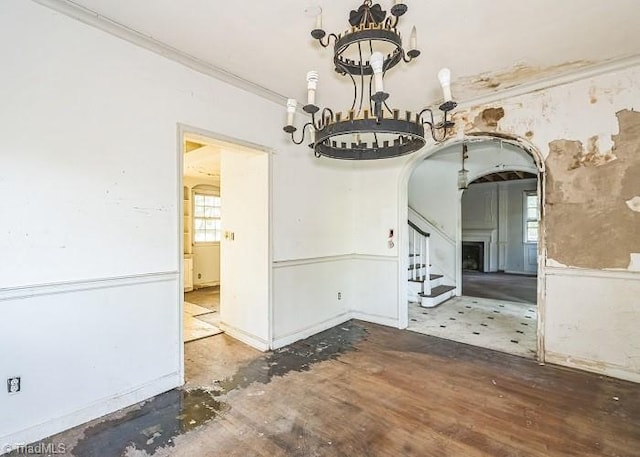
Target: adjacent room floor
<point x="201" y="313"/>
<point x="500" y="286"/>
<point x="497" y="311"/>
<point x="362" y="389"/>
<point x="494" y="324"/>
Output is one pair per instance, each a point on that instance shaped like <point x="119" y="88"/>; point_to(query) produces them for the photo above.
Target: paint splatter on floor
<point x="157" y="422"/>
<point x="154" y="425"/>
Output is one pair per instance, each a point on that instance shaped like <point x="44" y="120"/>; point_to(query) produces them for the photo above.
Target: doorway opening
<point x="224" y="242"/>
<point x="202" y="212"/>
<point x="476" y="282"/>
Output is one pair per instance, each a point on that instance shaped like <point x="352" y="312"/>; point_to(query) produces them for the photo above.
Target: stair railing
<point x="419" y="256"/>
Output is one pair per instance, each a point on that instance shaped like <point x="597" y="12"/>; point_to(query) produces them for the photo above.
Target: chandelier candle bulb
<point x="413" y="39"/>
<point x="292" y="104"/>
<point x="319" y="21"/>
<point x="444" y="76"/>
<point x="377" y="62"/>
<point x="312" y="86"/>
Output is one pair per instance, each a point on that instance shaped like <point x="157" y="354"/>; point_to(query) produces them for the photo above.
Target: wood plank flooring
<point x="361" y="389"/>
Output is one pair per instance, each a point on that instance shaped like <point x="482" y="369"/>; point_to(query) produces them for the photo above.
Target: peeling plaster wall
<point x="589" y="220"/>
<point x="588" y="135"/>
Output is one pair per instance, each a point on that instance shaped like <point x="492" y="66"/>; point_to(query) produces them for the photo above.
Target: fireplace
<point x="473" y="255"/>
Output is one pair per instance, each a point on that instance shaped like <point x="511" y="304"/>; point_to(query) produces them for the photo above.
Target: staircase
<point x="424" y="287"/>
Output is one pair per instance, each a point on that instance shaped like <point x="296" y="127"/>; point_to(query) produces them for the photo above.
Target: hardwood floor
<point x="500" y="286"/>
<point x="361" y="389"/>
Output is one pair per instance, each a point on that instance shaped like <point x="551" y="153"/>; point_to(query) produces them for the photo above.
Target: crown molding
<point x="583" y="73"/>
<point x="75" y="11"/>
<point x="87" y="16"/>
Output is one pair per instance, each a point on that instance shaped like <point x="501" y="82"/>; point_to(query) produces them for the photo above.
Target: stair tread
<point x="437" y="291"/>
<point x="422" y="278"/>
<point x="417" y="265"/>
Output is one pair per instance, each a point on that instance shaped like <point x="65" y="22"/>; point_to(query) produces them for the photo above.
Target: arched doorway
<point x="432" y="175"/>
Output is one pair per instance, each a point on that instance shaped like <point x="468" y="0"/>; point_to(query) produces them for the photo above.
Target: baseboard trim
<point x="306" y="332"/>
<point x="13" y="293"/>
<point x="376" y="319"/>
<point x="245" y="337"/>
<point x="520" y="273"/>
<point x="91" y="412"/>
<point x="602" y="368"/>
<point x="205" y="285"/>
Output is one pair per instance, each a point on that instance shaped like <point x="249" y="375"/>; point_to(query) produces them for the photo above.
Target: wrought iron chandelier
<point x="370" y="129"/>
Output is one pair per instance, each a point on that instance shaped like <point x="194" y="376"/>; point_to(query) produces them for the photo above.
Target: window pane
<point x="532" y="213"/>
<point x="206" y="218"/>
<point x="200" y="235"/>
<point x="532" y="231"/>
<point x="532" y="201"/>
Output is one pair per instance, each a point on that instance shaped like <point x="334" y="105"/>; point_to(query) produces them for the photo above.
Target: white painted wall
<point x="604" y="307"/>
<point x="206" y="264"/>
<point x="244" y="260"/>
<point x="84" y="349"/>
<point x="89" y="198"/>
<point x="292" y="317"/>
<point x="312" y="244"/>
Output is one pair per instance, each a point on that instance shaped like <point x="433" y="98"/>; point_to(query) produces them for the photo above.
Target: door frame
<point x="181" y="131"/>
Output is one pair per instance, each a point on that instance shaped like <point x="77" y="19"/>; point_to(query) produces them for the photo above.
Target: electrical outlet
<point x="339" y="295"/>
<point x="13" y="385"/>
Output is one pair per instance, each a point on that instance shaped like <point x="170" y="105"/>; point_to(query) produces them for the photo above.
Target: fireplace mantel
<point x="489" y="238"/>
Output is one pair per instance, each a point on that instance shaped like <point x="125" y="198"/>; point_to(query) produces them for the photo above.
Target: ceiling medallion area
<point x="370" y="128"/>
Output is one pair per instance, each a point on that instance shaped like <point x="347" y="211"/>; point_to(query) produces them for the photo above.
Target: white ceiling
<point x="488" y="45"/>
<point x="203" y="155"/>
<point x="203" y="164"/>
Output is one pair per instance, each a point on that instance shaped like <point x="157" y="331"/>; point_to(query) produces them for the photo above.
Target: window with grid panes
<point x="531" y="217"/>
<point x="206" y="218"/>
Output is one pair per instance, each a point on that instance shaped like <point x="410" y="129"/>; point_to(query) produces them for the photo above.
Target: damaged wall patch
<point x="587" y="219"/>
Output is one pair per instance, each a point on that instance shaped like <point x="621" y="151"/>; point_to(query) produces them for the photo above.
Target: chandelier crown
<point x="370" y="128"/>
